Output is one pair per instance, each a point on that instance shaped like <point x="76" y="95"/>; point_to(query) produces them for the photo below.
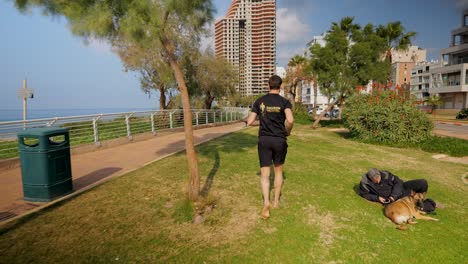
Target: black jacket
<point x="390" y="185"/>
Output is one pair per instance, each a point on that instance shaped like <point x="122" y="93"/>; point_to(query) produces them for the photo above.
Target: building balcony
<point x="451" y="68"/>
<point x="460" y="31"/>
<point x="449" y="89"/>
<point x="455" y="49"/>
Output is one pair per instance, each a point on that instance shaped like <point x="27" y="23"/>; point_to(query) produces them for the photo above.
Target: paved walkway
<point x="94" y="167"/>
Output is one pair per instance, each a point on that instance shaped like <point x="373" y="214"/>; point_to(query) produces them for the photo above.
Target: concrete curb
<point x="451" y="123"/>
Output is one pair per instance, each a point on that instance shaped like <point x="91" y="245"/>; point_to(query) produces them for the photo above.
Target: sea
<point x="17" y="114"/>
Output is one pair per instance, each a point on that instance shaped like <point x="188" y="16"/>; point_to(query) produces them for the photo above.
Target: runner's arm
<point x="251" y="118"/>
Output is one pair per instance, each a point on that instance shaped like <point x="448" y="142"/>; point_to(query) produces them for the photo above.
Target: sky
<point x="65" y="72"/>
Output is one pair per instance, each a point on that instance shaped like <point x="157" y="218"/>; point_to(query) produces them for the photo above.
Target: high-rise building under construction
<point x="246" y="37"/>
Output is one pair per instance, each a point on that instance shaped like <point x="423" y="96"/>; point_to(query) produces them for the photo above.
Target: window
<point x="466" y="75"/>
<point x="457" y="40"/>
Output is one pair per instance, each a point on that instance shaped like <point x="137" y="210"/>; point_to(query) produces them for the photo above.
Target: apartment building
<point x="308" y="95"/>
<point x="246" y="37"/>
<point x="421" y="79"/>
<point x="450" y="81"/>
<point x="403" y="62"/>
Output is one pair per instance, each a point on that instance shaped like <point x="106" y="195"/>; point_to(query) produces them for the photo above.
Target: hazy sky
<point x="66" y="73"/>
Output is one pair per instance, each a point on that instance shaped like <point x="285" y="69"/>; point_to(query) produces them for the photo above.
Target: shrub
<point x="301" y="115"/>
<point x="386" y="117"/>
<point x="463" y="114"/>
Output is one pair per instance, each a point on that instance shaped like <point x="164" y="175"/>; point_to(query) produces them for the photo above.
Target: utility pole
<point x="25" y="93"/>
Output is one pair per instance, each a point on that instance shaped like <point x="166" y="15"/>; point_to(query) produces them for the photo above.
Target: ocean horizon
<point x="17" y="114"/>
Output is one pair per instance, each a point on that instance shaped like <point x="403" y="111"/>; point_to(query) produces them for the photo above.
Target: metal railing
<point x="88" y="129"/>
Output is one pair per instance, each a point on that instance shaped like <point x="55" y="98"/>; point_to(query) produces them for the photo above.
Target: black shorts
<point x="272" y="150"/>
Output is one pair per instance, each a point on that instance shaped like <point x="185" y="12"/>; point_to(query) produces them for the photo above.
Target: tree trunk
<point x="292" y="91"/>
<point x="299" y="92"/>
<point x="208" y="102"/>
<point x="194" y="177"/>
<point x="162" y="97"/>
<point x="315" y="96"/>
<point x="329" y="107"/>
<point x="341" y="108"/>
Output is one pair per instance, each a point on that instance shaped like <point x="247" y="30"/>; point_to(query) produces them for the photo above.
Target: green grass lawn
<point x="142" y="217"/>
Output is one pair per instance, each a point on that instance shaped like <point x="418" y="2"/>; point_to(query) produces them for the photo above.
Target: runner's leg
<point x="278" y="184"/>
<point x="265" y="181"/>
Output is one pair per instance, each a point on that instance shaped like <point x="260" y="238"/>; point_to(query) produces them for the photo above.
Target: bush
<point x="386" y="117"/>
<point x="301" y="115"/>
<point x="463" y="114"/>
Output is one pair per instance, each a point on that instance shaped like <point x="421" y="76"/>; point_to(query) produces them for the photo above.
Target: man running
<point x="273" y="110"/>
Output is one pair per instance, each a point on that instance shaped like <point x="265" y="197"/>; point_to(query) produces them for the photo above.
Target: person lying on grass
<point x="385" y="187"/>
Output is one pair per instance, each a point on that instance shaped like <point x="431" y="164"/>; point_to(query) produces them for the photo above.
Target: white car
<point x="318" y="111"/>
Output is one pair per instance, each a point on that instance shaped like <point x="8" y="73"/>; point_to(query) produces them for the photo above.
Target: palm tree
<point x="295" y="76"/>
<point x="433" y="101"/>
<point x="346" y="25"/>
<point x="396" y="39"/>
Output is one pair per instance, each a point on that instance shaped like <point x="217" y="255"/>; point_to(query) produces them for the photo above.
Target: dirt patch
<point x="328" y="226"/>
<point x="230" y="221"/>
<point x="461" y="160"/>
<point x="464" y="178"/>
<point x="326" y="223"/>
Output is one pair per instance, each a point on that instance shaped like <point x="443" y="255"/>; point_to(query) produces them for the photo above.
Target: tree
<point x="396" y="39"/>
<point x="332" y="66"/>
<point x="351" y="57"/>
<point x="346" y="25"/>
<point x="295" y="76"/>
<point x="155" y="72"/>
<point x="169" y="26"/>
<point x="216" y="78"/>
<point x="366" y="56"/>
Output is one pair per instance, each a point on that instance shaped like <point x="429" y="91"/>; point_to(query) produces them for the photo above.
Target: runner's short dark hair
<point x="275" y="82"/>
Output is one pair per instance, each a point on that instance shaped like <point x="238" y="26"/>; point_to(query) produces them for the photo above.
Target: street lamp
<point x="25" y="93"/>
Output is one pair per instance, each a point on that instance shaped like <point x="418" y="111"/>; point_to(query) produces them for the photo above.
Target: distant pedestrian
<point x="276" y="121"/>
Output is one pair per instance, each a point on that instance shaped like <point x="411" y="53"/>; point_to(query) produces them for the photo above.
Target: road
<point x="451" y="130"/>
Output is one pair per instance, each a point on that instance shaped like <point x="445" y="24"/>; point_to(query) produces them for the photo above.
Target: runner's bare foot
<point x="275" y="205"/>
<point x="266" y="212"/>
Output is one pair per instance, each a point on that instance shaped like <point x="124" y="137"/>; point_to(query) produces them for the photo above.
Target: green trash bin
<point x="45" y="163"/>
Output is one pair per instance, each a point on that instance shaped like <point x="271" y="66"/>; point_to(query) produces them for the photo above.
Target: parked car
<point x="318" y="111"/>
<point x="334" y="113"/>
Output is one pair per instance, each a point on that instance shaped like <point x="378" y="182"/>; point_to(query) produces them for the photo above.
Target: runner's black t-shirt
<point x="270" y="110"/>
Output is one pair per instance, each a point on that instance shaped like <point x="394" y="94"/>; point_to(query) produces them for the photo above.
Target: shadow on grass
<point x="237" y="142"/>
<point x="356" y="189"/>
<point x="209" y="181"/>
<point x="332" y="123"/>
<point x="344" y="134"/>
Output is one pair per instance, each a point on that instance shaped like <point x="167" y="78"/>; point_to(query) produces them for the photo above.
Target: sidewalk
<point x="90" y="168"/>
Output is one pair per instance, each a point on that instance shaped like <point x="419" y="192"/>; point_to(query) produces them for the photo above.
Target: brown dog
<point x="405" y="209"/>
